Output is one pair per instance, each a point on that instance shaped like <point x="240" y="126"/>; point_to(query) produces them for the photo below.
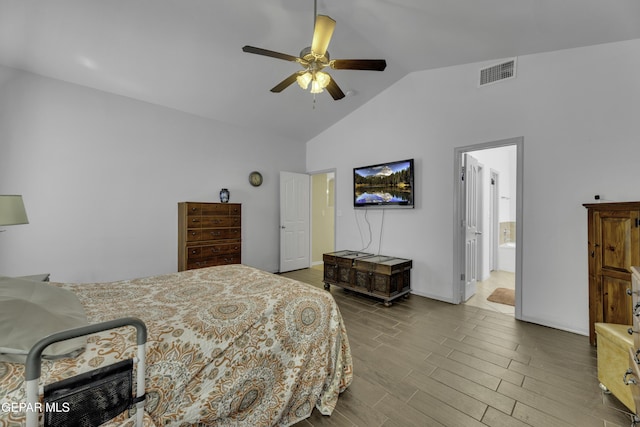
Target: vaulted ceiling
<point x="186" y="54"/>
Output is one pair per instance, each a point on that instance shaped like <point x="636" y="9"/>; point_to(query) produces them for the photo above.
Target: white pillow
<point x="30" y="311"/>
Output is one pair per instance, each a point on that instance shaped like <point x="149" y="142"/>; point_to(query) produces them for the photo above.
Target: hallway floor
<point x="498" y="279"/>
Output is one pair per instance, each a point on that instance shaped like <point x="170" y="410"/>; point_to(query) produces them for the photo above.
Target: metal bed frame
<point x="100" y="381"/>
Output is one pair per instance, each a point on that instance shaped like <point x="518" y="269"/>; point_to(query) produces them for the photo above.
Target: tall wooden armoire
<point x="614" y="247"/>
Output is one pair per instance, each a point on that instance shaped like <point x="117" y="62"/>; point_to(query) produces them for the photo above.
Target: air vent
<point x="497" y="73"/>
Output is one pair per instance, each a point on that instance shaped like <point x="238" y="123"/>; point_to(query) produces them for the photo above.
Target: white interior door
<point x="294" y="221"/>
<point x="471" y="204"/>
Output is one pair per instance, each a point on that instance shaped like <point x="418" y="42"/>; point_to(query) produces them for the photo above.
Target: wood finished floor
<point x="423" y="362"/>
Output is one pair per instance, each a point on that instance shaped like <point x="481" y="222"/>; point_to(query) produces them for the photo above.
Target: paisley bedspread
<point x="227" y="346"/>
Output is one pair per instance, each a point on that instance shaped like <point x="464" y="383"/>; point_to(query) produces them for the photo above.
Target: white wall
<point x="101" y="177"/>
<point x="578" y="111"/>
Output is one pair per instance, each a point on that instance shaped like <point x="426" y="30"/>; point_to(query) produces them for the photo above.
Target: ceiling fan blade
<point x="271" y="53"/>
<point x="359" y="64"/>
<point x="334" y="90"/>
<point x="285" y="83"/>
<point x="322" y="33"/>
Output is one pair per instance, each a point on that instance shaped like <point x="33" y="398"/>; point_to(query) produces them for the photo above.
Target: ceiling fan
<point x="315" y="58"/>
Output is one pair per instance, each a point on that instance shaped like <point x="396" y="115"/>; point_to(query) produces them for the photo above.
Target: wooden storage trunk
<point x="383" y="275"/>
<point x="338" y="267"/>
<point x="379" y="276"/>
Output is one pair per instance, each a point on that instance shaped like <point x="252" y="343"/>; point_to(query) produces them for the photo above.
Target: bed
<point x="227" y="345"/>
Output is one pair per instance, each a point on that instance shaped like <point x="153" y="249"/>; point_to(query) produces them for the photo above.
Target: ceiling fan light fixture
<point x="323" y="79"/>
<point x="304" y="79"/>
<point x="316" y="87"/>
<point x="318" y="80"/>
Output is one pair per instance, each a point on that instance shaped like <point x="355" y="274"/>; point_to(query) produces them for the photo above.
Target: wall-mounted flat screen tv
<point x="384" y="185"/>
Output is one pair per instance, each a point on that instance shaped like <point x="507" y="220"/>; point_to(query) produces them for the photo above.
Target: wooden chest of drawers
<point x="380" y="276"/>
<point x="209" y="234"/>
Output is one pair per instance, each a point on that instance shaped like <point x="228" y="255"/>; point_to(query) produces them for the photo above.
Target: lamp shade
<point x="304" y="80"/>
<point x="12" y="210"/>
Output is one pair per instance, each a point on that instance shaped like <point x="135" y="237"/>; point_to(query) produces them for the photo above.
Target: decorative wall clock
<point x="255" y="178"/>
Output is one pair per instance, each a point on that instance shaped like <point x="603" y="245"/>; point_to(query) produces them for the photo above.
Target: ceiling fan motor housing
<point x="310" y="57"/>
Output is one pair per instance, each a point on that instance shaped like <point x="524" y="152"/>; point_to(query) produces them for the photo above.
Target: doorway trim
<point x="458" y="215"/>
<point x="311" y="210"/>
<point x="493" y="219"/>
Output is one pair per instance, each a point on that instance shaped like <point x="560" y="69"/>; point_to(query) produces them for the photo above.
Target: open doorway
<point x="322" y="216"/>
<point x="487" y="245"/>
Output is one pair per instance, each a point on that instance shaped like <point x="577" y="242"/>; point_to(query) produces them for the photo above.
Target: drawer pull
<point x="194" y="251"/>
<point x="215" y="233"/>
<point x="635" y="357"/>
<point x="636" y="310"/>
<point x="629" y="381"/>
<point x="630" y="292"/>
<point x="193" y="233"/>
<point x="631" y="331"/>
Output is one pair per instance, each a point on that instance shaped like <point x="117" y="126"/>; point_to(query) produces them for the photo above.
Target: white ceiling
<point x="186" y="54"/>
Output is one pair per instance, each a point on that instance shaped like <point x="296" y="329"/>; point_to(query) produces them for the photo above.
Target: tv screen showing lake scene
<point x="387" y="184"/>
